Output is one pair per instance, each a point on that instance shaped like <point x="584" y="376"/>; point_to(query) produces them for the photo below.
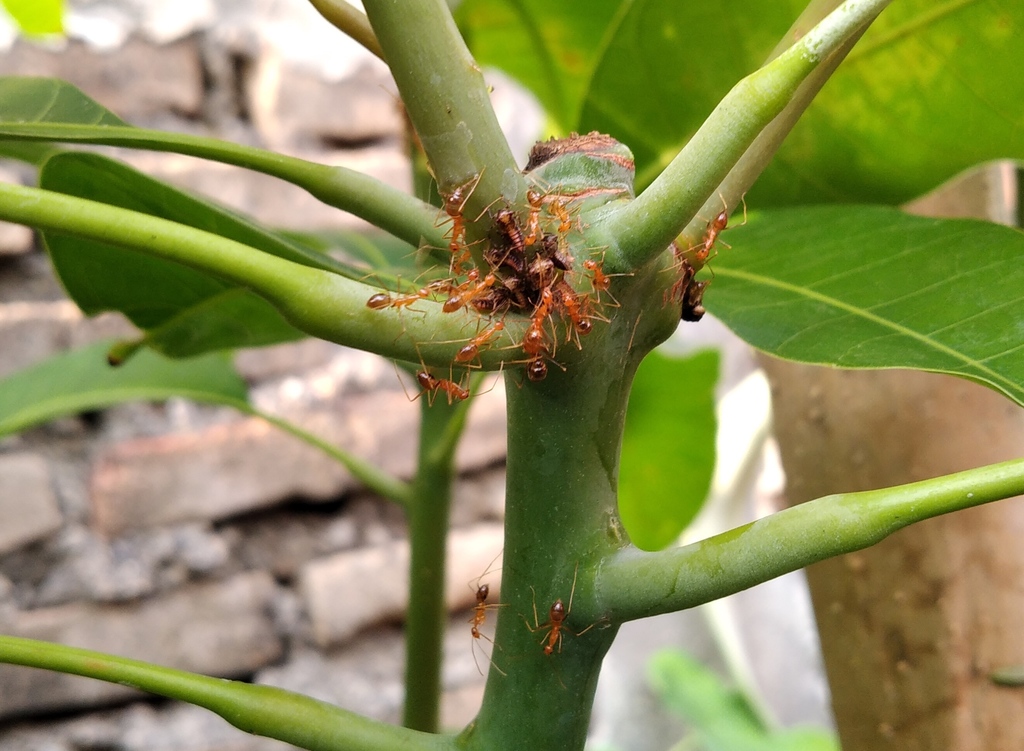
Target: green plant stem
<point x="428" y="516"/>
<point x="402" y="215"/>
<point x="261" y="710"/>
<point x="561" y="519"/>
<point x="348" y="19"/>
<point x="642" y="229"/>
<point x="317" y="302"/>
<point x="447" y="100"/>
<point x="636" y="585"/>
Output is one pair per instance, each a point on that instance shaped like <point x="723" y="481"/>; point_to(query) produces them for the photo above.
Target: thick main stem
<point x="561" y="521"/>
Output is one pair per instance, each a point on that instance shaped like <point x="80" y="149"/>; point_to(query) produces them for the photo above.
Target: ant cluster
<point x="528" y="267"/>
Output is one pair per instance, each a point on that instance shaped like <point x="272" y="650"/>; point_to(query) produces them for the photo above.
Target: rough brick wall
<point x="192" y="536"/>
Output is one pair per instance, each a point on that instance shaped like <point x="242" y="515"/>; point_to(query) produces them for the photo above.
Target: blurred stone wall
<point x="192" y="536"/>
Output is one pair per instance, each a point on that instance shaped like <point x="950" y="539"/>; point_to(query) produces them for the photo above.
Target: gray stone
<point x="281" y="360"/>
<point x="350" y="591"/>
<point x="30" y="332"/>
<point x="28" y="506"/>
<point x="88" y="567"/>
<point x="219" y="628"/>
<point x="114" y="80"/>
<point x="290" y="106"/>
<point x="246" y="464"/>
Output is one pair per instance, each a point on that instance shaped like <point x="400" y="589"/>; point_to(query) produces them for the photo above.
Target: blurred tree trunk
<point x="912" y="628"/>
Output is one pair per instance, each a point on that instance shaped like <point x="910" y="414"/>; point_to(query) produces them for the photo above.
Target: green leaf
<point x="668" y="64"/>
<point x="83" y="380"/>
<point x="550" y="48"/>
<point x="185" y="308"/>
<point x="37" y="17"/>
<point x="872" y="287"/>
<point x="49" y="100"/>
<point x="668" y="452"/>
<point x="721" y="717"/>
<point x="930" y="90"/>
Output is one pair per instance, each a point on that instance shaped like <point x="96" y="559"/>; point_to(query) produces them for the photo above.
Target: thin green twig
<point x="262" y="710"/>
<point x="392" y="210"/>
<point x="634" y="585"/>
<point x="351" y="21"/>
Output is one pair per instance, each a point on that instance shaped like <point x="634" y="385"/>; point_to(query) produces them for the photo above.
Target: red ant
<point x="454" y="203"/>
<point x="556" y="206"/>
<point x="577" y="308"/>
<point x="468" y="291"/>
<point x="431" y="385"/>
<point x="555" y="625"/>
<point x="715" y="228"/>
<point x="480" y="614"/>
<point x="536" y="201"/>
<point x="383" y="300"/>
<point x="535" y="341"/>
<point x="471" y="350"/>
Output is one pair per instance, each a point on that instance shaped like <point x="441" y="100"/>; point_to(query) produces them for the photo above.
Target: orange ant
<point x="555" y="625"/>
<point x="536" y="201"/>
<point x="480" y="614"/>
<point x="535" y="341"/>
<point x="714" y="229"/>
<point x="468" y="291"/>
<point x="431" y="385"/>
<point x="383" y="300"/>
<point x="454" y="203"/>
<point x="472" y="349"/>
<point x="577" y="308"/>
<point x="556" y="206"/>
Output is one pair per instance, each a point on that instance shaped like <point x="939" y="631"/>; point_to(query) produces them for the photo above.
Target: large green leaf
<point x="668" y="451"/>
<point x="667" y="66"/>
<point x="929" y="91"/>
<point x="37" y="16"/>
<point x="550" y="48"/>
<point x="721" y="717"/>
<point x="82" y="380"/>
<point x="872" y="287"/>
<point x="185" y="308"/>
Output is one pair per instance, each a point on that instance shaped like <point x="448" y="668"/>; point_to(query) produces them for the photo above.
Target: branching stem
<point x="636" y="585"/>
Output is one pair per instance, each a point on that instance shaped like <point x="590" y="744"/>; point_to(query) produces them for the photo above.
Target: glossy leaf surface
<point x="82" y="380"/>
<point x="668" y="453"/>
<point x="872" y="287"/>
